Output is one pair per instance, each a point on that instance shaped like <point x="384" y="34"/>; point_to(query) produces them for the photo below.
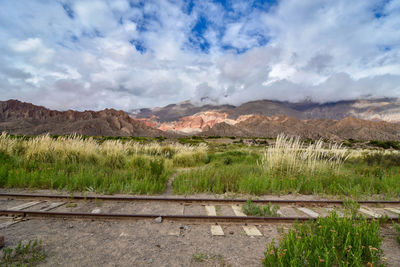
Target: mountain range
<point x="364" y="119"/>
<point x="24" y="118"/>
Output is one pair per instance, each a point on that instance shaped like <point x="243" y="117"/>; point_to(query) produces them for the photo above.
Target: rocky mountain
<point x="357" y="119"/>
<point x="385" y="109"/>
<point x="24" y="118"/>
<point x="360" y="119"/>
<point x="349" y="127"/>
<point x="174" y="112"/>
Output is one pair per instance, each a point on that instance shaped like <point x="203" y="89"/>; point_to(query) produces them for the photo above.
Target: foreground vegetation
<point x="290" y="166"/>
<point x="28" y="254"/>
<point x="251" y="209"/>
<point x="329" y="241"/>
<point x="79" y="164"/>
<point x="132" y="165"/>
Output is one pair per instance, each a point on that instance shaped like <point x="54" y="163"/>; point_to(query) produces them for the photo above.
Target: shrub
<point x="385" y="144"/>
<point x="397" y="228"/>
<point x="329" y="241"/>
<point x="382" y="159"/>
<point x="251" y="209"/>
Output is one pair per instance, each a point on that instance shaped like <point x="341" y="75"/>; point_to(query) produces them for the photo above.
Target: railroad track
<point x="17" y="207"/>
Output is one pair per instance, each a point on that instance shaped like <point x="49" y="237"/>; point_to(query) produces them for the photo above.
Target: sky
<point x="128" y="54"/>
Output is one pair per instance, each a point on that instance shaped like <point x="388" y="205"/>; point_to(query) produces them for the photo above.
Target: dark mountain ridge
<point x="24" y="118"/>
<point x="386" y="109"/>
<point x="262" y="118"/>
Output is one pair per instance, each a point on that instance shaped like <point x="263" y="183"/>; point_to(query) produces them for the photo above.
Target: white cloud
<point x="111" y="54"/>
<point x="39" y="54"/>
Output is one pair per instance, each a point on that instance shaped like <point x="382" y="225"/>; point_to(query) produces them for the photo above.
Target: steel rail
<point x="186" y="218"/>
<point x="188" y="200"/>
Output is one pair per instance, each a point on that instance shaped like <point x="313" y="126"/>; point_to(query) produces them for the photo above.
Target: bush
<point x="329" y="241"/>
<point x="385" y="144"/>
<point x="382" y="159"/>
<point x="251" y="209"/>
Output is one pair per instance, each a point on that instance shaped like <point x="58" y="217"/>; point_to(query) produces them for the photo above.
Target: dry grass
<point x="290" y="155"/>
<point x="76" y="163"/>
<point x="75" y="148"/>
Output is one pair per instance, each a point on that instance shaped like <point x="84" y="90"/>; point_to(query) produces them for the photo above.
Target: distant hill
<point x="349" y="127"/>
<point x="24" y="118"/>
<point x="358" y="119"/>
<point x="386" y="109"/>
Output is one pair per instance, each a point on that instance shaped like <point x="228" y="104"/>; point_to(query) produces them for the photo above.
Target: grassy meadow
<point x="143" y="166"/>
<point x="75" y="163"/>
<point x="285" y="165"/>
<point x="290" y="166"/>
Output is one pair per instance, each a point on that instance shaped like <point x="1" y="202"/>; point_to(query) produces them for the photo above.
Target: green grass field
<point x="112" y="165"/>
<point x="281" y="166"/>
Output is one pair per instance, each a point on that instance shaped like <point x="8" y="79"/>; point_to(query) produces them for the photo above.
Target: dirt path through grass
<point x="168" y="189"/>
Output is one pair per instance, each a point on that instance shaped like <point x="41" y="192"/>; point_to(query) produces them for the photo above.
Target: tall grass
<point x="75" y="148"/>
<point x="289" y="155"/>
<point x="237" y="171"/>
<point x="77" y="163"/>
<point x="329" y="241"/>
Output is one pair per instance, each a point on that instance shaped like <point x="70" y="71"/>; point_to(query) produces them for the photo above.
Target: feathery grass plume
<point x="71" y="148"/>
<point x="168" y="151"/>
<point x="6" y="143"/>
<point x="289" y="156"/>
<point x="75" y="148"/>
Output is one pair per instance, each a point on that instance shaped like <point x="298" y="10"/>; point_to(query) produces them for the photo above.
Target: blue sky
<point x="129" y="54"/>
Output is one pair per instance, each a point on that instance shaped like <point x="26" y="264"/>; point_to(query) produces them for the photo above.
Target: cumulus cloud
<point x="133" y="54"/>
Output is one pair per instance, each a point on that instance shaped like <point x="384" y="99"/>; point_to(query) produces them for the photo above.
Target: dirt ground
<point x="139" y="243"/>
<point x="147" y="243"/>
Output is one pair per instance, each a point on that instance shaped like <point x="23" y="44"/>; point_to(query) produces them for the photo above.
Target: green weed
<point x="397" y="228"/>
<point x="329" y="241"/>
<point x="217" y="260"/>
<point x="199" y="257"/>
<point x="251" y="209"/>
<point x="28" y="254"/>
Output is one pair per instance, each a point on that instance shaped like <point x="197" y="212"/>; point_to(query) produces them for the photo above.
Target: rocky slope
<point x="213" y="123"/>
<point x="349" y="127"/>
<point x="386" y="109"/>
<point x="24" y="118"/>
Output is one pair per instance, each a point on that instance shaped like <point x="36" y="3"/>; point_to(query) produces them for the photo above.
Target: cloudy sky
<point x="122" y="54"/>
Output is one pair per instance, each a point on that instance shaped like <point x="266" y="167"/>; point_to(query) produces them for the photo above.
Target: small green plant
<point x="199" y="257"/>
<point x="28" y="254"/>
<point x="217" y="260"/>
<point x="71" y="205"/>
<point x="251" y="209"/>
<point x="329" y="241"/>
<point x="218" y="210"/>
<point x="228" y="161"/>
<point x="351" y="208"/>
<point x="397" y="228"/>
